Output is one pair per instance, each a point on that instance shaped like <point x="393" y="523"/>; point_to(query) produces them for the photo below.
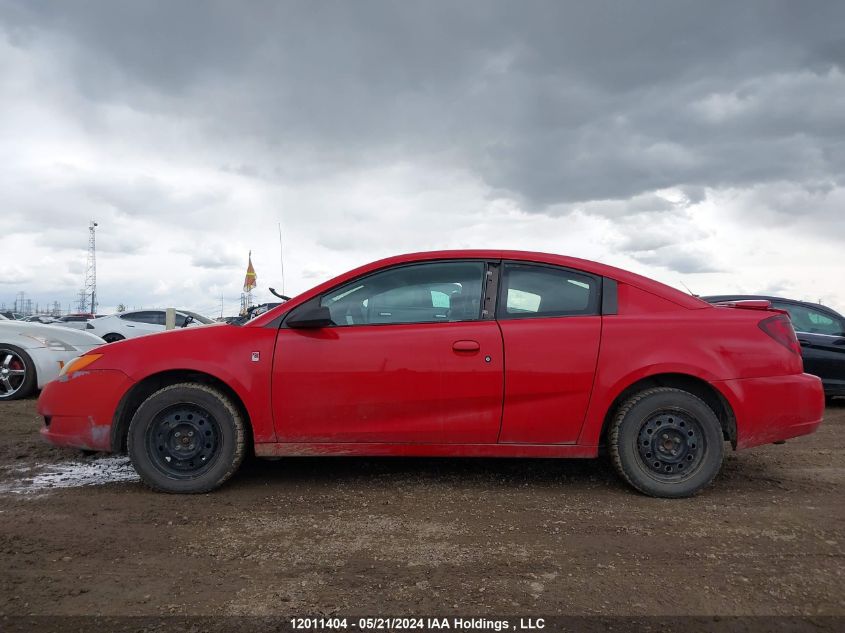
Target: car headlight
<point x="78" y="363"/>
<point x="51" y="343"/>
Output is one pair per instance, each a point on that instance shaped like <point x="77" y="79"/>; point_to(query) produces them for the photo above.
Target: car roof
<point x="644" y="283"/>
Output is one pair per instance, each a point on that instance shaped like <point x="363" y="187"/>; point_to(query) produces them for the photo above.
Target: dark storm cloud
<point x="551" y="103"/>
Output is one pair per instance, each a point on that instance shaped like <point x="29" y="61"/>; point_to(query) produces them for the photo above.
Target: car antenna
<point x="688" y="290"/>
<point x="281" y="261"/>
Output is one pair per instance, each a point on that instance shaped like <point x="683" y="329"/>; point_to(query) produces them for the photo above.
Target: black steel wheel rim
<point x="184" y="441"/>
<point x="671" y="445"/>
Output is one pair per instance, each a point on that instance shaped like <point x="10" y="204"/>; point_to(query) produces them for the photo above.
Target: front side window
<point x="418" y="293"/>
<point x="806" y="319"/>
<point x="544" y="291"/>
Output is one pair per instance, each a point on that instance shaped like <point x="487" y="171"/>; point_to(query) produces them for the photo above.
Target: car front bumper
<point x="774" y="409"/>
<point x="78" y="410"/>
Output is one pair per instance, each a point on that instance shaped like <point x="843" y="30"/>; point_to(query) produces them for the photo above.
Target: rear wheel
<point x="186" y="438"/>
<point x="112" y="338"/>
<point x="666" y="442"/>
<point x="17" y="373"/>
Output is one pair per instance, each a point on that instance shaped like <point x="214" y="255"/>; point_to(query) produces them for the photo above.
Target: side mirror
<point x="313" y="316"/>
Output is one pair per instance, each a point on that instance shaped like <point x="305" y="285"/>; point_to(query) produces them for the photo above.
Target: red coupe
<point x="454" y="353"/>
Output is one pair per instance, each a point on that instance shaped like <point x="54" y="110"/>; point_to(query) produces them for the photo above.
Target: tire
<point x="18" y="377"/>
<point x="113" y="338"/>
<point x="666" y="443"/>
<point x="163" y="439"/>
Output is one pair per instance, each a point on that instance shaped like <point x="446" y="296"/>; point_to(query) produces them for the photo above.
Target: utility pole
<point x="88" y="294"/>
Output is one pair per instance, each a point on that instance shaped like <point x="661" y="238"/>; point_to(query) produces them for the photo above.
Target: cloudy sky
<point x="700" y="143"/>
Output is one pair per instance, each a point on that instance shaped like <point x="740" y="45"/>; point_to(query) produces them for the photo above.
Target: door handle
<point x="466" y="346"/>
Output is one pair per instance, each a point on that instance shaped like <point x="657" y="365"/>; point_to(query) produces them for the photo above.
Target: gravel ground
<point x="81" y="536"/>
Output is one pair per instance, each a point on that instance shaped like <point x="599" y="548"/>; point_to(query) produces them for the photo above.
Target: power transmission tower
<point x="88" y="295"/>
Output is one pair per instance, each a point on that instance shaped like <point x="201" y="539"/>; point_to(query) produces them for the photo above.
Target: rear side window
<point x="806" y="319"/>
<point x="532" y="291"/>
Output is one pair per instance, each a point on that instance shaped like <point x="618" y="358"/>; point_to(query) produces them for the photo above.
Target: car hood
<point x="76" y="338"/>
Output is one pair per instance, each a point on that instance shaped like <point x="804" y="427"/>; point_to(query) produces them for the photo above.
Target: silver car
<point x="32" y="354"/>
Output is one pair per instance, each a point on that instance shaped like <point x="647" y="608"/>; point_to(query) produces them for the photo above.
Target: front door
<point x="408" y="360"/>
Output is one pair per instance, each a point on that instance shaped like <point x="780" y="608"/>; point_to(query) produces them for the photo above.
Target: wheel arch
<point x="143" y="389"/>
<point x="697" y="386"/>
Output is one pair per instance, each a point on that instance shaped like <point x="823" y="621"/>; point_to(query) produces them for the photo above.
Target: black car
<point x="251" y="313"/>
<point x="821" y="332"/>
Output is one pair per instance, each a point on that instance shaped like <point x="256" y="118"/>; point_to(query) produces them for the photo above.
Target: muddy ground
<point x="403" y="536"/>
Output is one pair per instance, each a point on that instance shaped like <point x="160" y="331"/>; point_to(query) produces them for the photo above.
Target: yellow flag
<point x="250" y="279"/>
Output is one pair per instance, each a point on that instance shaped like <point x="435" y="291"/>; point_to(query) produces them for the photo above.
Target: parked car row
<point x="251" y="313"/>
<point x="123" y="325"/>
<point x="41" y="318"/>
<point x="33" y="350"/>
<point x="77" y="321"/>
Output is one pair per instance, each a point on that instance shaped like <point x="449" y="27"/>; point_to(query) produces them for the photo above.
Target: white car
<point x="32" y="354"/>
<point x="117" y="327"/>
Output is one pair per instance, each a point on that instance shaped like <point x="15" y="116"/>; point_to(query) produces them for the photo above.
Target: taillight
<point x="779" y="327"/>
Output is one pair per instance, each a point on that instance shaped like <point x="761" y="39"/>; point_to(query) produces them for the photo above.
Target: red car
<point x="454" y="353"/>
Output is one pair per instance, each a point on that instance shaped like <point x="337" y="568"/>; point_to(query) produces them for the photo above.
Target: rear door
<point x="408" y="360"/>
<point x="551" y="327"/>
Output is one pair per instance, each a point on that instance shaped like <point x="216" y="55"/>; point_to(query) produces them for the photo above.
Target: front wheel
<point x="666" y="442"/>
<point x="186" y="438"/>
<point x="17" y="373"/>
